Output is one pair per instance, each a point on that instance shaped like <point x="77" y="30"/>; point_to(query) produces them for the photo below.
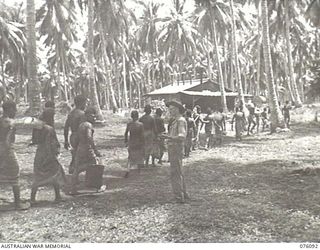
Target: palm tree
<point x="106" y="61"/>
<point x="298" y="102"/>
<point x="90" y="53"/>
<point x="276" y="117"/>
<point x="147" y="33"/>
<point x="235" y="53"/>
<point x="209" y="12"/>
<point x="57" y="24"/>
<point x="34" y="85"/>
<point x="313" y="12"/>
<point x="177" y="37"/>
<point x="12" y="45"/>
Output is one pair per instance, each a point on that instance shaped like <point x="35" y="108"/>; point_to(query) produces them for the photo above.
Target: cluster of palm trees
<point x="127" y="48"/>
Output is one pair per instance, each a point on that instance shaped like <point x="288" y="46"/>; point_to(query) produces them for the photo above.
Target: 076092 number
<point x="309" y="245"/>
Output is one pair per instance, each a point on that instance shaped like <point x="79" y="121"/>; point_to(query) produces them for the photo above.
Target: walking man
<point x="176" y="140"/>
<point x="73" y="121"/>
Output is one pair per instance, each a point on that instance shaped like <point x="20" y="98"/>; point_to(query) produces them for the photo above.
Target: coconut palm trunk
<point x="276" y="117"/>
<point x="257" y="92"/>
<point x="93" y="89"/>
<point x="124" y="73"/>
<point x="220" y="74"/>
<point x="33" y="82"/>
<point x="235" y="54"/>
<point x="293" y="83"/>
<point x="106" y="65"/>
<point x="231" y="83"/>
<point x="287" y="81"/>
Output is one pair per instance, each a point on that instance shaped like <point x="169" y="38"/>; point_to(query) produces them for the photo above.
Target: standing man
<point x="191" y="131"/>
<point x="176" y="139"/>
<point x="73" y="121"/>
<point x="251" y="118"/>
<point x="159" y="146"/>
<point x="86" y="154"/>
<point x="198" y="121"/>
<point x="208" y="127"/>
<point x="9" y="167"/>
<point x="134" y="140"/>
<point x="149" y="128"/>
<point x="286" y="113"/>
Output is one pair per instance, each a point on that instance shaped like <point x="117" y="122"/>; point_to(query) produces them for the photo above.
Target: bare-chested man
<point x="73" y="121"/>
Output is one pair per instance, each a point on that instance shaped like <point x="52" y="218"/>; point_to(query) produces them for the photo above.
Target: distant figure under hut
<point x="196" y="115"/>
<point x="134" y="139"/>
<point x="86" y="155"/>
<point x="239" y="120"/>
<point x="286" y="113"/>
<point x="191" y="133"/>
<point x="47" y="169"/>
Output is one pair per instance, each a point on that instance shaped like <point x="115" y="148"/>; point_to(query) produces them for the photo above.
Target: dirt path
<point x="263" y="189"/>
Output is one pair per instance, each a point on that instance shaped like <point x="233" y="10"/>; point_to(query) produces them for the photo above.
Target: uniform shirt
<point x="178" y="127"/>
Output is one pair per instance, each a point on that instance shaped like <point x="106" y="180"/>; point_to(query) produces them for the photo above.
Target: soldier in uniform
<point x="73" y="121"/>
<point x="176" y="140"/>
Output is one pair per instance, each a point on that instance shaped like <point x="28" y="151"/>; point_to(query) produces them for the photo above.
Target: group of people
<point x="145" y="138"/>
<point x="47" y="170"/>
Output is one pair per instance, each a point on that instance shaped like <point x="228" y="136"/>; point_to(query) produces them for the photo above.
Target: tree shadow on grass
<point x="233" y="196"/>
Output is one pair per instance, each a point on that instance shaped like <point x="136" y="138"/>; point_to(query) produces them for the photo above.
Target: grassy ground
<point x="263" y="189"/>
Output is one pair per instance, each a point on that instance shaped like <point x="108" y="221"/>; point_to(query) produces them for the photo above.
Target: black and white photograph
<point x="159" y="121"/>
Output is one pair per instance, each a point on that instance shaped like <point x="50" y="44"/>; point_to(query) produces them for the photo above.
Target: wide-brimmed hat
<point x="176" y="104"/>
